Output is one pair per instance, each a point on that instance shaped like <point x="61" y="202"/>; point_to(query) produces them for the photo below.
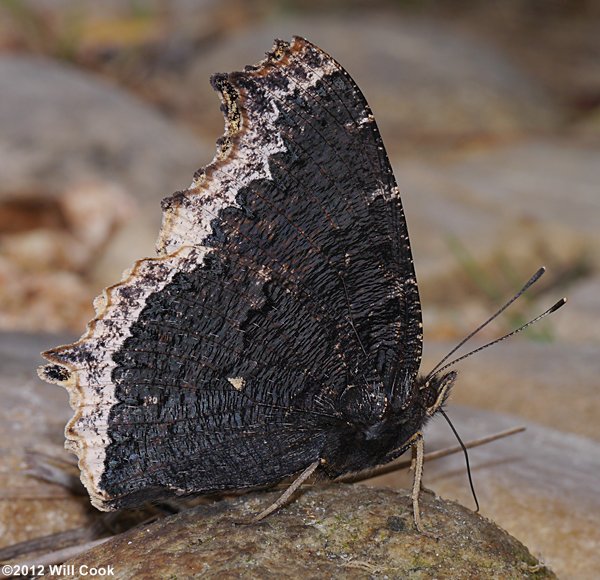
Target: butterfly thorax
<point x="374" y="430"/>
<point x="377" y="427"/>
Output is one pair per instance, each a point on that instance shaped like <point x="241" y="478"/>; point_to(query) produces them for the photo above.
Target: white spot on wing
<point x="238" y="383"/>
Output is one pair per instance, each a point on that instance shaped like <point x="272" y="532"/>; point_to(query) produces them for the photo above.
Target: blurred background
<point x="490" y="112"/>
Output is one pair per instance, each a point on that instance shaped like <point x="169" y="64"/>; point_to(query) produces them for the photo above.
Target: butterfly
<point x="278" y="332"/>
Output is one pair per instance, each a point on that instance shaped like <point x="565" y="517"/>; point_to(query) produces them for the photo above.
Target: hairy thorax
<point x="374" y="430"/>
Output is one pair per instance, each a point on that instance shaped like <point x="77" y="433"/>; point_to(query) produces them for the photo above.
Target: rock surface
<point x="341" y="531"/>
<point x="581" y="326"/>
<point x="539" y="485"/>
<point x="61" y="125"/>
<point x="554" y="385"/>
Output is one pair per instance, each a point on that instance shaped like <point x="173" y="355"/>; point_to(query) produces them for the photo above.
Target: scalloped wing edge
<point x="84" y="367"/>
<point x="250" y="139"/>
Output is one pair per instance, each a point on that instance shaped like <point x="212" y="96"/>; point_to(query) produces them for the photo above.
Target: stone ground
<point x="336" y="532"/>
<point x="495" y="148"/>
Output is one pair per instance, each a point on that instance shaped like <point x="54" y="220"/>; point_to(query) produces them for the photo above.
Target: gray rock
<point x="60" y="124"/>
<point x="579" y="323"/>
<point x="552" y="180"/>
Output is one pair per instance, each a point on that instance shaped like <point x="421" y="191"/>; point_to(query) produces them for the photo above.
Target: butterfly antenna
<point x="550" y="310"/>
<point x="529" y="283"/>
<point x="466" y="453"/>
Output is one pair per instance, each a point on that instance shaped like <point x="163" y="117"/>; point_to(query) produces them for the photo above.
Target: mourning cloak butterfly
<point x="279" y="330"/>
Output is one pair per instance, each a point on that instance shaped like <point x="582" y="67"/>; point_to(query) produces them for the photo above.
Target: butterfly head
<point x="435" y="390"/>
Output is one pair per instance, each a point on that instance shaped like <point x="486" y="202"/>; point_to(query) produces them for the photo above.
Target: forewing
<point x="308" y="160"/>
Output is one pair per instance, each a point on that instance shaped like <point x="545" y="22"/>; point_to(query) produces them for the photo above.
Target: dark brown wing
<point x="285" y="274"/>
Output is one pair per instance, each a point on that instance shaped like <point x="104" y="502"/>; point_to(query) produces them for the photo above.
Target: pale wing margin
<point x="85" y="367"/>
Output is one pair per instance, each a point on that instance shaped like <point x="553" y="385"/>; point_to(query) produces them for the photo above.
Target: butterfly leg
<point x="418" y="452"/>
<point x="285" y="496"/>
